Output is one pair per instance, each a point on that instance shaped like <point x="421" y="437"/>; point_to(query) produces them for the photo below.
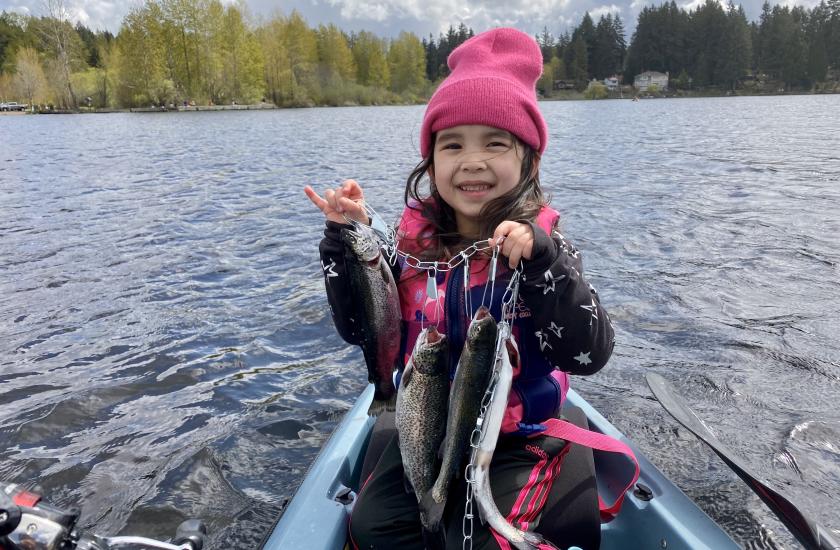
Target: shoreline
<point x="564" y="96"/>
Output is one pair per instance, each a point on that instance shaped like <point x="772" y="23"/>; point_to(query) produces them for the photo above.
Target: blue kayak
<point x="656" y="515"/>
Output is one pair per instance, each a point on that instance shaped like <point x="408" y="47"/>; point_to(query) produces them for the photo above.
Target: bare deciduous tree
<point x="29" y="79"/>
<point x="59" y="34"/>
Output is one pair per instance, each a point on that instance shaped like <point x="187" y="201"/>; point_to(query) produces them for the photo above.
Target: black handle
<point x="9" y="514"/>
<point x="192" y="531"/>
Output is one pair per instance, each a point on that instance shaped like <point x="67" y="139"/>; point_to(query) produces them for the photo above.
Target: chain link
<point x="504" y="332"/>
<point x="388" y="237"/>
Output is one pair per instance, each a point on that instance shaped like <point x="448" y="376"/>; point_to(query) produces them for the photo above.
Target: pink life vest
<point x="539" y="389"/>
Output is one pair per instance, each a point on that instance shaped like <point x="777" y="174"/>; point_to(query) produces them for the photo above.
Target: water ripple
<point x="166" y="350"/>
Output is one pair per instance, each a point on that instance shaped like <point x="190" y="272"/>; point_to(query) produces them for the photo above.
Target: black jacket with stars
<point x="572" y="330"/>
<point x="559" y="322"/>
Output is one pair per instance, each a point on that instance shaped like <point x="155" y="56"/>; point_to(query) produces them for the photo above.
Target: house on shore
<point x="611" y="83"/>
<point x="650" y="78"/>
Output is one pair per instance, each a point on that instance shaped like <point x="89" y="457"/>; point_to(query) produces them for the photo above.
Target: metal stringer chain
<point x="504" y="332"/>
<point x="388" y="237"/>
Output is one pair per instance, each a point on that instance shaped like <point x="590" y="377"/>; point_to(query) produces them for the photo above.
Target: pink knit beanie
<point x="492" y="82"/>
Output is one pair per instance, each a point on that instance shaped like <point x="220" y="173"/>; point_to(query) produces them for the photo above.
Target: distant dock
<point x="173" y="108"/>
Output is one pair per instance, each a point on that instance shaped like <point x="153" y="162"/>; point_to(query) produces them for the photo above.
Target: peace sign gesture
<point x="345" y="200"/>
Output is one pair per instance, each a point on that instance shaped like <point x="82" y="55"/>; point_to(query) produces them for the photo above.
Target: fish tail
<point x="432" y="510"/>
<point x="533" y="541"/>
<point x="434" y="540"/>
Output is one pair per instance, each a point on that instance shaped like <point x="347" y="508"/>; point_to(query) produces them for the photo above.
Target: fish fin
<point x="434" y="540"/>
<point x="405" y="380"/>
<point x="409" y="488"/>
<point x="379" y="406"/>
<point x="432" y="510"/>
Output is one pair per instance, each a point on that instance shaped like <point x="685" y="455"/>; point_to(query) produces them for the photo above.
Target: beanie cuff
<point x="486" y="100"/>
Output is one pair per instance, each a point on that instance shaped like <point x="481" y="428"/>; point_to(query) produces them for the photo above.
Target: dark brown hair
<point x="522" y="203"/>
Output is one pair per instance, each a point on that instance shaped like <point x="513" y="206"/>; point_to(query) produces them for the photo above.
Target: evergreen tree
<point x="579" y="67"/>
<point x="586" y="31"/>
<point x="817" y="37"/>
<point x="608" y="52"/>
<point x="12" y="37"/>
<point x="547" y="45"/>
<point x="735" y="48"/>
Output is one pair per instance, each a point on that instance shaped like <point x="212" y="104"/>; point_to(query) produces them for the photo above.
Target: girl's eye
<point x="451" y="146"/>
<point x="498" y="144"/>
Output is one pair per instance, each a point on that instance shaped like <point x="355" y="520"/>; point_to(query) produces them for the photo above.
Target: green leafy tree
<point x="238" y="57"/>
<point x="138" y="60"/>
<point x="277" y="67"/>
<point x="302" y="47"/>
<point x="370" y="57"/>
<point x="407" y="64"/>
<point x="334" y="54"/>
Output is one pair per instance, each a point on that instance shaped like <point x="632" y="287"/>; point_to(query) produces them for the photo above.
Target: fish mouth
<point x="482" y="313"/>
<point x="433" y="336"/>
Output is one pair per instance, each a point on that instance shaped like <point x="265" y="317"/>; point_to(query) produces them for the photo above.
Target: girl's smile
<point x="474" y="164"/>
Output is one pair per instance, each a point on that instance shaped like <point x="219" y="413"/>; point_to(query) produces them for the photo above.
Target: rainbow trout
<point x="373" y="285"/>
<point x="507" y="356"/>
<point x="421" y="410"/>
<point x="471" y="378"/>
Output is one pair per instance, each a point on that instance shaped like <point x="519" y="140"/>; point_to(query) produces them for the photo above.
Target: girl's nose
<point x="473" y="162"/>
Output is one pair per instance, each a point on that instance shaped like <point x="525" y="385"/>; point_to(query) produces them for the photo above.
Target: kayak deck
<point x="315" y="518"/>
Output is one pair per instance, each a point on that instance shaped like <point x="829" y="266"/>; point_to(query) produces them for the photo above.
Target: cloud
<point x="603" y="11"/>
<point x="388" y="17"/>
<point x="528" y="15"/>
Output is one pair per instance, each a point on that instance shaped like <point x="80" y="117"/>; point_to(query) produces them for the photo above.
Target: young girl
<point x="481" y="141"/>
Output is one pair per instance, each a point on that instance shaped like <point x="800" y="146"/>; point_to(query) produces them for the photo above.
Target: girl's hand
<point x="516" y="240"/>
<point x="345" y="200"/>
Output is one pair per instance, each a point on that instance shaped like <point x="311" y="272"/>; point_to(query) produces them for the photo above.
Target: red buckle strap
<point x="27" y="499"/>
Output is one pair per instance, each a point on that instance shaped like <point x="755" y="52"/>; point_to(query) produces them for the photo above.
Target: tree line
<point x="715" y="45"/>
<point x="206" y="52"/>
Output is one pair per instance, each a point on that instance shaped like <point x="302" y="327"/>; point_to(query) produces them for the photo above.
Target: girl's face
<point x="474" y="164"/>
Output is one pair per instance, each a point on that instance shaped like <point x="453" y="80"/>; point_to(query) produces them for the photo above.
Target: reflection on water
<point x="166" y="349"/>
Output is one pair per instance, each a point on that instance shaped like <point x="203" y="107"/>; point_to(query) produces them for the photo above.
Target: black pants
<point x="385" y="516"/>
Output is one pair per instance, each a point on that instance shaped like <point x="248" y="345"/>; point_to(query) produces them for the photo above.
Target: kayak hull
<point x="317" y="516"/>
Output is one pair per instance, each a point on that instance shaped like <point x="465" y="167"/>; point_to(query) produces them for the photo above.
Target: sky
<point x="387" y="18"/>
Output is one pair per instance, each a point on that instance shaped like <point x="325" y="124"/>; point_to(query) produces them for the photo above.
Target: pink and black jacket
<point x="560" y="325"/>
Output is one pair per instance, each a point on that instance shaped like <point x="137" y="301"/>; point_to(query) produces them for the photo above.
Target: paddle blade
<point x="810" y="534"/>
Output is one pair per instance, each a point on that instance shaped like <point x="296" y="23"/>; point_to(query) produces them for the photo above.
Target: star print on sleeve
<point x="566" y="246"/>
<point x="583" y="358"/>
<point x="593" y="309"/>
<point x="543" y="340"/>
<point x="550" y="281"/>
<point x="328" y="269"/>
<point x="556" y="330"/>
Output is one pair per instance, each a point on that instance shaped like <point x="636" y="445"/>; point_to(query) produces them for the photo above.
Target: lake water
<point x="166" y="349"/>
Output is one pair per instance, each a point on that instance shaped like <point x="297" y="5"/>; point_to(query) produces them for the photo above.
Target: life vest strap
<point x="566" y="430"/>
